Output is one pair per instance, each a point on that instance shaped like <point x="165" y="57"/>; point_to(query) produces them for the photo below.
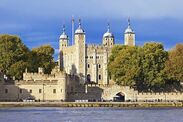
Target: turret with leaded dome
<point x="108" y="33"/>
<point x="129" y="29"/>
<point x="79" y="30"/>
<point x="64" y="39"/>
<point x="63" y="35"/>
<point x="129" y="35"/>
<point x="108" y="37"/>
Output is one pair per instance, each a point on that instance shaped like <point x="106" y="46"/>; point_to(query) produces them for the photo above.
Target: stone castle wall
<point x="60" y="86"/>
<point x="37" y="86"/>
<point x="99" y="92"/>
<point x="70" y="89"/>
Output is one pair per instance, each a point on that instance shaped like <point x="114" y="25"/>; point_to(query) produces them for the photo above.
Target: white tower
<point x="129" y="36"/>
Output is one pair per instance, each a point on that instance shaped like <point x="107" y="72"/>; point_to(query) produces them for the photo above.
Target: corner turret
<point x="108" y="37"/>
<point x="129" y="36"/>
<point x="64" y="39"/>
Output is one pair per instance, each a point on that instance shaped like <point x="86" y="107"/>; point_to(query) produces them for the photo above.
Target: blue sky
<point x="40" y="22"/>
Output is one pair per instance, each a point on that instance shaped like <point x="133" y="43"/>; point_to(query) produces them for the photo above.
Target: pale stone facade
<point x="61" y="87"/>
<point x="89" y="62"/>
<point x="38" y="86"/>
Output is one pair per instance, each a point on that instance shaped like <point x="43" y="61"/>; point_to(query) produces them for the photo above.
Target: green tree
<point x="139" y="67"/>
<point x="18" y="68"/>
<point x="174" y="64"/>
<point x="154" y="58"/>
<point x="43" y="57"/>
<point x="12" y="50"/>
<point x="115" y="51"/>
<point x="15" y="57"/>
<point x="124" y="67"/>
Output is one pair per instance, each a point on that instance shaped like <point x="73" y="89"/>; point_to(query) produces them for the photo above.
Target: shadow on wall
<point x="78" y="89"/>
<point x="85" y="92"/>
<point x="73" y="70"/>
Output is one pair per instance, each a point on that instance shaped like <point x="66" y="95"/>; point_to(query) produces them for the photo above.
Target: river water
<point x="90" y="115"/>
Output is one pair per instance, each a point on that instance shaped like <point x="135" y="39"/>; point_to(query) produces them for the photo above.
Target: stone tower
<point x="79" y="38"/>
<point x="108" y="37"/>
<point x="64" y="40"/>
<point x="129" y="36"/>
<point x="63" y="43"/>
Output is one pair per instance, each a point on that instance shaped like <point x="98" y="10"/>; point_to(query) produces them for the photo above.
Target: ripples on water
<point x="90" y="115"/>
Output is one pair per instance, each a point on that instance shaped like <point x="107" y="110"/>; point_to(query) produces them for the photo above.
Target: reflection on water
<point x="90" y="115"/>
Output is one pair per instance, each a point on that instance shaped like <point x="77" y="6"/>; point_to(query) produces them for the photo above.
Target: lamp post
<point x="18" y="92"/>
<point x="165" y="97"/>
<point x="43" y="92"/>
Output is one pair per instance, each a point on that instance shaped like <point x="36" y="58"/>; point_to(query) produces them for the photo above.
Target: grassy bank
<point x="92" y="104"/>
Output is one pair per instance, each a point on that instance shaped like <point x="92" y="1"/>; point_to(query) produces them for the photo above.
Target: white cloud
<point x="96" y="8"/>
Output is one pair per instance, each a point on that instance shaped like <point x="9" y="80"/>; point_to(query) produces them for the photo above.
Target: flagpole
<point x="72" y="30"/>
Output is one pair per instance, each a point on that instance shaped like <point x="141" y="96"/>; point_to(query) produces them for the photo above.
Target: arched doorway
<point x="88" y="78"/>
<point x="119" y="97"/>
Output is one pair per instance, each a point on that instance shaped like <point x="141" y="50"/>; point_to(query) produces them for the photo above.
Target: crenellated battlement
<point x="36" y="82"/>
<point x="55" y="74"/>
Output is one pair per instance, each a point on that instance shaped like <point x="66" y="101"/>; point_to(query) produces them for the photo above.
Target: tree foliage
<point x="125" y="66"/>
<point x="139" y="67"/>
<point x="12" y="50"/>
<point x="153" y="62"/>
<point x="174" y="64"/>
<point x="43" y="57"/>
<point x="15" y="57"/>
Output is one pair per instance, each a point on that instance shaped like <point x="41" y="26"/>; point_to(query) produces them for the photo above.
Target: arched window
<point x="88" y="65"/>
<point x="99" y="66"/>
<point x="99" y="77"/>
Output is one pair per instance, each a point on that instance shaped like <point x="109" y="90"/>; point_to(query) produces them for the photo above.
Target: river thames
<point x="52" y="114"/>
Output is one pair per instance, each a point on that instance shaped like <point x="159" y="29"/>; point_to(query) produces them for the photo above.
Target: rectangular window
<point x="20" y="91"/>
<point x="6" y="91"/>
<point x="30" y="91"/>
<point x="40" y="90"/>
<point x="54" y="91"/>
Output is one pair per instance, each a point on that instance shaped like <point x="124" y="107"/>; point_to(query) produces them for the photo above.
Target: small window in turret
<point x="99" y="66"/>
<point x="99" y="77"/>
<point x="88" y="65"/>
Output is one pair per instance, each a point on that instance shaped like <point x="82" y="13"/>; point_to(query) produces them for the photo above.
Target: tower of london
<point x="82" y="74"/>
<point x="89" y="61"/>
